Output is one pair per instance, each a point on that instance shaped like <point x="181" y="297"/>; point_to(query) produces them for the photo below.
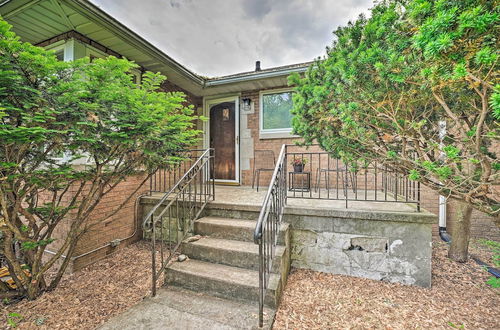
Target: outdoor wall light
<point x="247" y="104"/>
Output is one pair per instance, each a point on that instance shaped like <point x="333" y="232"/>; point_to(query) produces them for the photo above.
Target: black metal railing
<point x="171" y="220"/>
<point x="325" y="177"/>
<point x="267" y="228"/>
<point x="321" y="177"/>
<point x="164" y="179"/>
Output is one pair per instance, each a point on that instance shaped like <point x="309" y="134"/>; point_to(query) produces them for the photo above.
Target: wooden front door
<point x="223" y="138"/>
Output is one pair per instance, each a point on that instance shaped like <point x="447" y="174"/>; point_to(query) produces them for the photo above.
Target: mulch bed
<point x="459" y="298"/>
<point x="86" y="299"/>
<point x="313" y="300"/>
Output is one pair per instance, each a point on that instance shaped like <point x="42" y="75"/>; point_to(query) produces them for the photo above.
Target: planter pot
<point x="298" y="168"/>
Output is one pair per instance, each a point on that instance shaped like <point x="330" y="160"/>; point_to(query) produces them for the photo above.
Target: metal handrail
<point x="176" y="186"/>
<point x="393" y="186"/>
<point x="186" y="201"/>
<point x="262" y="215"/>
<point x="268" y="224"/>
<point x="164" y="178"/>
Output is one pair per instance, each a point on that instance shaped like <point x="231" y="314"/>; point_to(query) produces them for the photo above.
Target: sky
<point x="220" y="37"/>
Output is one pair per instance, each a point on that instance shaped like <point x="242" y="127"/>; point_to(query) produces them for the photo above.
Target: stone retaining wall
<point x="388" y="246"/>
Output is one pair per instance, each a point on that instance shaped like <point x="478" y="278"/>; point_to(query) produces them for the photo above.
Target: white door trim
<point x="207" y="102"/>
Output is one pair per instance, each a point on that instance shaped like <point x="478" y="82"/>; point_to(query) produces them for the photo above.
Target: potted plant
<point x="298" y="164"/>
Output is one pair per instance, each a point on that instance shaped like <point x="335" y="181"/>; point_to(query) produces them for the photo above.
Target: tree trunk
<point x="460" y="233"/>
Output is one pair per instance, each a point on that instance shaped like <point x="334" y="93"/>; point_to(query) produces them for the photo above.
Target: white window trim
<point x="277" y="133"/>
<point x="89" y="50"/>
<point x="68" y="47"/>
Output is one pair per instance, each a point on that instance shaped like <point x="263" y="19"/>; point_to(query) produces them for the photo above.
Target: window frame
<point x="272" y="133"/>
<point x="67" y="46"/>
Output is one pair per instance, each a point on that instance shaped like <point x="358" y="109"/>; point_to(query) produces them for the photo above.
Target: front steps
<point x="224" y="262"/>
<point x="177" y="308"/>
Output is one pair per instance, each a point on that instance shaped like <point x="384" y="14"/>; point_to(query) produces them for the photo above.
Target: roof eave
<point x="256" y="76"/>
<point x="120" y="29"/>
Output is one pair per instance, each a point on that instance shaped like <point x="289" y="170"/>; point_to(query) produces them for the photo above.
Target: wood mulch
<point x="459" y="298"/>
<point x="312" y="300"/>
<point x="86" y="299"/>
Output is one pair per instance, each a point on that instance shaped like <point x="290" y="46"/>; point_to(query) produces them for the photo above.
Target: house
<point x="76" y="29"/>
<point x="247" y="112"/>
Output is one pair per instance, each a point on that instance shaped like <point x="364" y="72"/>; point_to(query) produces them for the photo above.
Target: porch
<point x="250" y="198"/>
<point x="360" y="220"/>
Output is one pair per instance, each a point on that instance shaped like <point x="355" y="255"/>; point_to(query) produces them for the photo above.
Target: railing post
<point x="153" y="256"/>
<point x="418" y="196"/>
<point x="346" y="185"/>
<point x="212" y="173"/>
<point x="151" y="185"/>
<point x="182" y="189"/>
<point x="261" y="285"/>
<point x="285" y="174"/>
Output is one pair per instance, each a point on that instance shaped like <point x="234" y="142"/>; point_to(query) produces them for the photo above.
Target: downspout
<point x="442" y="220"/>
<point x="442" y="212"/>
<point x="442" y="199"/>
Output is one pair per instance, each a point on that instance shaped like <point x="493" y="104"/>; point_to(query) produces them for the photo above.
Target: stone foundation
<point x="387" y="246"/>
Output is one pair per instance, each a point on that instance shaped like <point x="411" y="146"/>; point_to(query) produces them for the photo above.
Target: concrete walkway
<point x="175" y="308"/>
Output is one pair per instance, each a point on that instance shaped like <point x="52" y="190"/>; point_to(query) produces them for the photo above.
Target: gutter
<point x="94" y="13"/>
<point x="254" y="76"/>
<point x="442" y="199"/>
<point x="442" y="220"/>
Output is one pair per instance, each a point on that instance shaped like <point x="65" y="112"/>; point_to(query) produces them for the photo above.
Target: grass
<point x="494" y="248"/>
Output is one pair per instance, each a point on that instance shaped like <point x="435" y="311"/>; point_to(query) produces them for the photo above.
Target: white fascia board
<point x="256" y="76"/>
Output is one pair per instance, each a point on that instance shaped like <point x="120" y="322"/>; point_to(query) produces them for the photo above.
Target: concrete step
<point x="222" y="281"/>
<point x="177" y="308"/>
<point x="235" y="211"/>
<point x="230" y="252"/>
<point x="233" y="229"/>
<point x="227" y="228"/>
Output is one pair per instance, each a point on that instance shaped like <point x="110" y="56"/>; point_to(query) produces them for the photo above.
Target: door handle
<point x="237" y="139"/>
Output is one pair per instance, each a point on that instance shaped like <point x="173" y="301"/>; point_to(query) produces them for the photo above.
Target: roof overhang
<point x="271" y="78"/>
<point x="36" y="21"/>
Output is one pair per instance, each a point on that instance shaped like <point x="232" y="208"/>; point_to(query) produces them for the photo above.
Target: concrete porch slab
<point x="247" y="198"/>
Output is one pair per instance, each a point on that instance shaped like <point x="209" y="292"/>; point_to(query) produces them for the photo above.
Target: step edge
<point x="274" y="276"/>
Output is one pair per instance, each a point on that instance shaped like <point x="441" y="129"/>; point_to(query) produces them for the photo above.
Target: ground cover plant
<point x="51" y="115"/>
<point x="416" y="87"/>
<point x="492" y="259"/>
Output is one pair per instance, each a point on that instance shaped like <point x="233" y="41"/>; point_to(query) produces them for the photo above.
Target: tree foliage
<point x="54" y="115"/>
<point x="388" y="80"/>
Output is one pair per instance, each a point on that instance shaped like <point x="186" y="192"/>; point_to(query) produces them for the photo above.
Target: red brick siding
<point x="119" y="226"/>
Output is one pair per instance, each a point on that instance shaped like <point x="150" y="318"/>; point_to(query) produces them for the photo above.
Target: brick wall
<point x="259" y="144"/>
<point x="197" y="101"/>
<point x="123" y="225"/>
